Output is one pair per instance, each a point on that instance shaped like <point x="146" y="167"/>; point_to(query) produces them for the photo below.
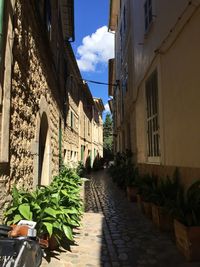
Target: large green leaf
<point x="10" y="211"/>
<point x="15" y="195"/>
<point x="68" y="232"/>
<point x="51" y="211"/>
<point x="64" y="192"/>
<point x="57" y="225"/>
<point x="49" y="227"/>
<point x="48" y="219"/>
<point x="17" y="218"/>
<point x="71" y="211"/>
<point x="25" y="211"/>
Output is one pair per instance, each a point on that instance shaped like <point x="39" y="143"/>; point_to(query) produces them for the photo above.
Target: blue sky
<point x="93" y="44"/>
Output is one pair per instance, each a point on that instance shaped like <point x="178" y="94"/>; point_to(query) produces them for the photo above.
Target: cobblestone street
<point x="115" y="233"/>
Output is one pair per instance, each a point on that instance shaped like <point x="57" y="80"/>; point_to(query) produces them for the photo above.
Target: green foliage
<point x="123" y="172"/>
<point x="161" y="192"/>
<point x="98" y="164"/>
<point x="108" y="138"/>
<point x="81" y="170"/>
<point x="88" y="164"/>
<point x="186" y="207"/>
<point x="165" y="192"/>
<point x="56" y="208"/>
<point x="170" y="194"/>
<point x="146" y="186"/>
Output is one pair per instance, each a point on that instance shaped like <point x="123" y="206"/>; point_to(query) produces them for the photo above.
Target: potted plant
<point x="131" y="176"/>
<point x="146" y="187"/>
<point x="164" y="193"/>
<point x="186" y="211"/>
<point x="118" y="170"/>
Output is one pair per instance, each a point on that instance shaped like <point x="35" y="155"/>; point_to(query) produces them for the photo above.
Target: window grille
<point x="152" y="116"/>
<point x="148" y="14"/>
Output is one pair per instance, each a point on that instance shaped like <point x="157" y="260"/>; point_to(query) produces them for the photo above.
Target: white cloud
<point x="107" y="108"/>
<point x="95" y="49"/>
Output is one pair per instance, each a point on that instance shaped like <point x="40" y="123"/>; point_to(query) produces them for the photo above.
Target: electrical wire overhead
<point x="97" y="82"/>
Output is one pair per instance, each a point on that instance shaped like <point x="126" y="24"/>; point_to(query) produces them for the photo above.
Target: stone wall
<point x="32" y="78"/>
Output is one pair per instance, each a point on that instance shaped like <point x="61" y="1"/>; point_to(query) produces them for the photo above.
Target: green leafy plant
<point x="186" y="208"/>
<point x="166" y="190"/>
<point x="80" y="169"/>
<point x="131" y="175"/>
<point x="146" y="184"/>
<point x="122" y="171"/>
<point x="56" y="208"/>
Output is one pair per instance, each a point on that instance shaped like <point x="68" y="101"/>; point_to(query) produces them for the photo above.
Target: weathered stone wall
<point x="31" y="79"/>
<point x="71" y="136"/>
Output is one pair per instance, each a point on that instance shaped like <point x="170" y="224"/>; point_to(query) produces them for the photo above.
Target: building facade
<point x="97" y="129"/>
<point x="155" y="68"/>
<point x="41" y="91"/>
<point x="32" y="90"/>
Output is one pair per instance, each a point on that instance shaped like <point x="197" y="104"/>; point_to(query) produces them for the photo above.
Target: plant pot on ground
<point x="140" y="202"/>
<point x="131" y="174"/>
<point x="161" y="218"/>
<point x="186" y="211"/>
<point x="188" y="240"/>
<point x="147" y="209"/>
<point x="163" y="193"/>
<point x="146" y="186"/>
<point x="131" y="192"/>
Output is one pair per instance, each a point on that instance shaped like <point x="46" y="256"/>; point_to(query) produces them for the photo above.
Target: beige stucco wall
<point x="178" y="80"/>
<point x="146" y="43"/>
<point x="171" y="45"/>
<point x="181" y="94"/>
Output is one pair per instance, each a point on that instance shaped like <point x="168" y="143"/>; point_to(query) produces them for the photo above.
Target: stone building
<point x="33" y="94"/>
<point x="71" y="130"/>
<point x="37" y="92"/>
<point x="45" y="108"/>
<point x="97" y="129"/>
<point x="155" y="69"/>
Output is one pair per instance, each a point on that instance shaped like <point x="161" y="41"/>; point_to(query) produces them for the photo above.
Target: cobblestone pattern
<point x="116" y="234"/>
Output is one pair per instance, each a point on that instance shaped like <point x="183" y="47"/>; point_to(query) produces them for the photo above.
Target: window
<point x="47" y="17"/>
<point x="124" y="18"/>
<point x="72" y="120"/>
<point x="148" y="14"/>
<point x="88" y="127"/>
<point x="152" y="116"/>
<point x="82" y="152"/>
<point x="84" y="126"/>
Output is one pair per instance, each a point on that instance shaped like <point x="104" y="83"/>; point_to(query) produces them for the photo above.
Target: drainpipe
<point x="1" y="26"/>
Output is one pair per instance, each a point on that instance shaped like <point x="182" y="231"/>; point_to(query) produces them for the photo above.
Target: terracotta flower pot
<point x="140" y="203"/>
<point x="161" y="218"/>
<point x="147" y="209"/>
<point x="188" y="240"/>
<point x="131" y="192"/>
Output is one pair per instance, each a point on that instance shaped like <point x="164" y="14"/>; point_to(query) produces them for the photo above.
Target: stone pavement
<point x="114" y="233"/>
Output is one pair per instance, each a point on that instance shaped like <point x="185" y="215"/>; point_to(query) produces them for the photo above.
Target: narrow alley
<point x="114" y="233"/>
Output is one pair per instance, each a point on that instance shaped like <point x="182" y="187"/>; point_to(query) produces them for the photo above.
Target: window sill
<point x="154" y="160"/>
